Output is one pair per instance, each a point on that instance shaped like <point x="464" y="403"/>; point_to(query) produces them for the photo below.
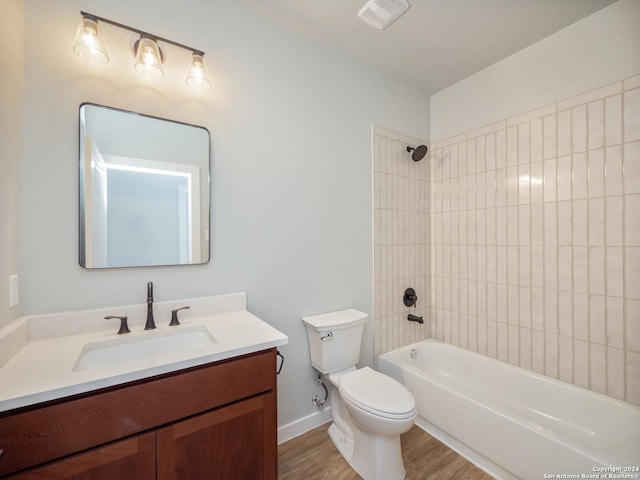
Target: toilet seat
<point x="377" y="394"/>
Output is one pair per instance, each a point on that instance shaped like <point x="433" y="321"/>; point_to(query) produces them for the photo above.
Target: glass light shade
<point x="197" y="76"/>
<point x="89" y="45"/>
<point x="149" y="58"/>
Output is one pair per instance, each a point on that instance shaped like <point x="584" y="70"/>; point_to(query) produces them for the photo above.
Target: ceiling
<point x="436" y="43"/>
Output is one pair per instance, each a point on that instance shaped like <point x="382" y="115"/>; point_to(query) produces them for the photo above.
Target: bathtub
<point x="514" y="423"/>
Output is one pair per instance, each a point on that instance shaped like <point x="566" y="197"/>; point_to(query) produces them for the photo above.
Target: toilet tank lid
<point x="340" y="319"/>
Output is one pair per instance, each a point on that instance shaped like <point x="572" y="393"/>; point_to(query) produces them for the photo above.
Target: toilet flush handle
<point x="328" y="336"/>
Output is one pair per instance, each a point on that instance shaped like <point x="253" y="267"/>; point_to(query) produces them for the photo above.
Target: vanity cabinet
<point x="216" y="421"/>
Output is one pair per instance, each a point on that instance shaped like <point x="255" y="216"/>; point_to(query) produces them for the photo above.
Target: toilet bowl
<point x="370" y="410"/>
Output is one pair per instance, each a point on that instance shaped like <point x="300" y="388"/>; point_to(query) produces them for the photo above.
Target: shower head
<point x="418" y="152"/>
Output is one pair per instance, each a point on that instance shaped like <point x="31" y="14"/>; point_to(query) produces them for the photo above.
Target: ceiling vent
<point x="382" y="13"/>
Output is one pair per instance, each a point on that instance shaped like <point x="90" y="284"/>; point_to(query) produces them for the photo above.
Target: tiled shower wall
<point x="401" y="240"/>
<point x="536" y="240"/>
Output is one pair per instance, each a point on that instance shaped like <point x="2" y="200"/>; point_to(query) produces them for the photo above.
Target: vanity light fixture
<point x="90" y="46"/>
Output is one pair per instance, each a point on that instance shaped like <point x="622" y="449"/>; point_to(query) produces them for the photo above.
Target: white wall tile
<point x="565" y="314"/>
<point x="514" y="344"/>
<point x="580" y="269"/>
<point x="537" y="309"/>
<point x="633" y="272"/>
<point x="615" y="373"/>
<point x="581" y="316"/>
<point x="632" y="167"/>
<point x="512" y="185"/>
<point x="598" y="369"/>
<point x="537" y="267"/>
<point x="613" y="120"/>
<point x="595" y="119"/>
<point x="536" y="182"/>
<point x="564" y="132"/>
<point x="579" y="128"/>
<point x="537" y="351"/>
<point x="615" y="322"/>
<point x="564" y="178"/>
<point x="565" y="359"/>
<point x="632" y="333"/>
<point x="632" y="115"/>
<point x="524" y="184"/>
<point x="537" y="224"/>
<point x="613" y="221"/>
<point x="550" y="180"/>
<point x="549" y="136"/>
<point x="579" y="174"/>
<point x="551" y="311"/>
<point x="633" y="377"/>
<point x="501" y="187"/>
<point x="536" y="139"/>
<point x="503" y="342"/>
<point x="480" y="154"/>
<point x="615" y="271"/>
<point x="551" y="355"/>
<point x="551" y="223"/>
<point x="597" y="319"/>
<point x="512" y="146"/>
<point x="565" y="269"/>
<point x="596" y="173"/>
<point x="501" y="148"/>
<point x="525" y="307"/>
<point x="550" y="267"/>
<point x="490" y="151"/>
<point x="581" y="363"/>
<point x="596" y="270"/>
<point x="596" y="221"/>
<point x="613" y="171"/>
<point x="565" y="223"/>
<point x="580" y="222"/>
<point x="525" y="348"/>
<point x="512" y="225"/>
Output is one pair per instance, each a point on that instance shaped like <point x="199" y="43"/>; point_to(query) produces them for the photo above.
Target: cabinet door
<point x="237" y="442"/>
<point x="133" y="459"/>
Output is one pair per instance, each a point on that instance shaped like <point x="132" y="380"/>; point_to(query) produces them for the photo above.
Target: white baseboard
<point x="304" y="424"/>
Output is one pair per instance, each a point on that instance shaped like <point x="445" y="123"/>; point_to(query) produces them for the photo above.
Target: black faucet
<point x="150" y="325"/>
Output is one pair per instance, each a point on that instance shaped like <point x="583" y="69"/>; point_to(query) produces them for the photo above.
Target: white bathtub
<point x="514" y="423"/>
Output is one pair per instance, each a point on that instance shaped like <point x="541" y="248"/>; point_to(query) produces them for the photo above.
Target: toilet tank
<point x="334" y="339"/>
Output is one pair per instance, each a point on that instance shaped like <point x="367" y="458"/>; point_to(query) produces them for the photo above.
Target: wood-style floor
<point x="312" y="456"/>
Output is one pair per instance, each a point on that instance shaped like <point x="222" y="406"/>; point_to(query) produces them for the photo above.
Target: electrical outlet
<point x="14" y="295"/>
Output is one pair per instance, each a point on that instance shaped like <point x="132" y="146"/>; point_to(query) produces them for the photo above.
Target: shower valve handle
<point x="410" y="298"/>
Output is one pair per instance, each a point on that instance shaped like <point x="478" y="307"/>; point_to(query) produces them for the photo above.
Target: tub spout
<point x="415" y="318"/>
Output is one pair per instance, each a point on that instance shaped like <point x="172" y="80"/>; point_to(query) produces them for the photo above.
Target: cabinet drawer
<point x="40" y="434"/>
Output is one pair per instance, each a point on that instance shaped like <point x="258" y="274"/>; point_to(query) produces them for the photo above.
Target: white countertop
<point x="43" y="368"/>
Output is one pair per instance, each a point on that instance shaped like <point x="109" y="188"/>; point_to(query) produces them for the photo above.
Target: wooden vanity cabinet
<point x="216" y="421"/>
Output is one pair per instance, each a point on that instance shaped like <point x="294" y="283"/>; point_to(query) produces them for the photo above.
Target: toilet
<point x="370" y="410"/>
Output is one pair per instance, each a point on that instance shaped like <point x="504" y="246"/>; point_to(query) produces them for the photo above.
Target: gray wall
<point x="11" y="80"/>
<point x="291" y="165"/>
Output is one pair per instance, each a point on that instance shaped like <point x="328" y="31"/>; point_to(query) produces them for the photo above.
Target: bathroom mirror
<point x="144" y="190"/>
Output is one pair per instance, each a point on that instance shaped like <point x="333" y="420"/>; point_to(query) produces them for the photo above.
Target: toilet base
<point x="370" y="444"/>
<point x="372" y="457"/>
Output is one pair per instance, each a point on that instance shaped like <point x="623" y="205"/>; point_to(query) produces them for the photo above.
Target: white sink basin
<point x="143" y="345"/>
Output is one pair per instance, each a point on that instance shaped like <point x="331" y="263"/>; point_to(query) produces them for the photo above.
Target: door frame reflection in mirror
<point x="157" y="221"/>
